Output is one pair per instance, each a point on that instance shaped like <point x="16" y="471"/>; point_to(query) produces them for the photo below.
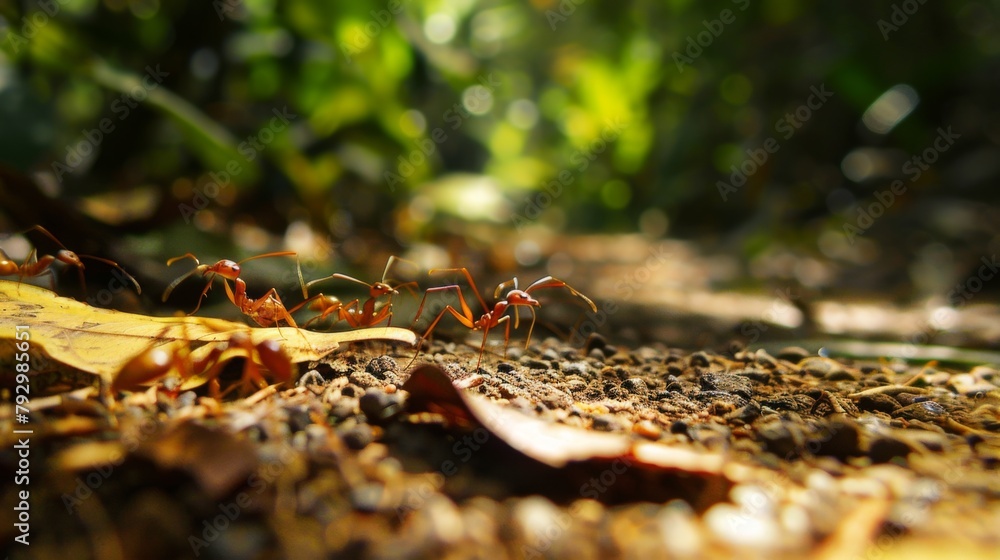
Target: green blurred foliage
<point x="408" y="111"/>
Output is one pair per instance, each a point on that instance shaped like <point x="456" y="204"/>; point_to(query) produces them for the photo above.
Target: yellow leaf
<point x="101" y="341"/>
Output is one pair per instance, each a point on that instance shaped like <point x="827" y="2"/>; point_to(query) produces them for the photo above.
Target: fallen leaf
<point x="101" y="341"/>
<point x="567" y="458"/>
<point x="555" y="445"/>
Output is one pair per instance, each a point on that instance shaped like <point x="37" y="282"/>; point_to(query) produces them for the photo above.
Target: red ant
<point x="265" y="310"/>
<point x="227" y="270"/>
<point x="494" y="316"/>
<point x="187" y="364"/>
<point x="366" y="315"/>
<point x="34" y="266"/>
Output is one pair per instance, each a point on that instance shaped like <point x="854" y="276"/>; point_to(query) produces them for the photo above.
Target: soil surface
<point x="554" y="451"/>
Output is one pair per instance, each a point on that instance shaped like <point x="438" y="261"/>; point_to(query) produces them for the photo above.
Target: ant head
<point x="69" y="257"/>
<point x="225" y="268"/>
<point x="380" y="289"/>
<point x="520" y="297"/>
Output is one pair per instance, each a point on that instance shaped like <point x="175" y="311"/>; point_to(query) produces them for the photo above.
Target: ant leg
<point x="530" y="329"/>
<point x="468" y="277"/>
<point x="468" y="323"/>
<point x="466" y="311"/>
<point x="482" y="347"/>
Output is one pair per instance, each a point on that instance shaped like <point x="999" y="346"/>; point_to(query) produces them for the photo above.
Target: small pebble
<point x="344" y="407"/>
<point x="720" y="399"/>
<point x="534" y="363"/>
<point x="595" y="340"/>
<point x="538" y="521"/>
<point x="878" y="403"/>
<point x="298" y="418"/>
<point x="885" y="449"/>
<point x="699" y="359"/>
<point x="779" y="439"/>
<point x="820" y="367"/>
<point x="727" y="383"/>
<point x="367" y="497"/>
<point x="842" y="375"/>
<point x="765" y="359"/>
<point x="970" y="385"/>
<point x="756" y="375"/>
<point x="746" y="414"/>
<point x="379" y="406"/>
<point x="647" y="429"/>
<point x="359" y="436"/>
<point x="570" y="354"/>
<point x="735" y="527"/>
<point x="309" y="378"/>
<point x="794" y="354"/>
<point x="505" y="367"/>
<point x="635" y="386"/>
<point x="573" y="368"/>
<point x="381" y="365"/>
<point x="364" y="379"/>
<point x="839" y="438"/>
<point x="607" y="423"/>
<point x="927" y="411"/>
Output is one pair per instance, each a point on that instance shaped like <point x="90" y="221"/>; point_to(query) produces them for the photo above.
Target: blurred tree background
<point x="392" y="123"/>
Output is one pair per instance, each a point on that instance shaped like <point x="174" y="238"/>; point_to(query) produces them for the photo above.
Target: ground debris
<point x="561" y="452"/>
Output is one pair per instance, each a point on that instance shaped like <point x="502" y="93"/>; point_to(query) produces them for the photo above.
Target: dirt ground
<point x="554" y="452"/>
<point x="632" y="443"/>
